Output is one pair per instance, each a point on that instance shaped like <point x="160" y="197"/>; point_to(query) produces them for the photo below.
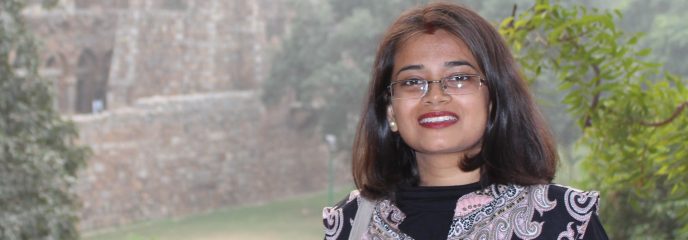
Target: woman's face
<point x="438" y="123"/>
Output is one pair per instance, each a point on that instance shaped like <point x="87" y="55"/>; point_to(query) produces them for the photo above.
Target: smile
<point x="438" y="119"/>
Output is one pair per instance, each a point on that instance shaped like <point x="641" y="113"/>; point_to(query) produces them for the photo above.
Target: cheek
<point x="402" y="111"/>
<point x="481" y="104"/>
<point x="475" y="113"/>
<point x="476" y="104"/>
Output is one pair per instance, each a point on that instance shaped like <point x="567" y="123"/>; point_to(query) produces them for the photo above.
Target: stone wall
<point x="74" y="45"/>
<point x="182" y="129"/>
<point x="174" y="156"/>
<point x="143" y="48"/>
<point x="198" y="46"/>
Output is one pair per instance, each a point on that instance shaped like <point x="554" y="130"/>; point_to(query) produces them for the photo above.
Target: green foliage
<point x="325" y="60"/>
<point x="665" y="24"/>
<point x="632" y="115"/>
<point x="38" y="160"/>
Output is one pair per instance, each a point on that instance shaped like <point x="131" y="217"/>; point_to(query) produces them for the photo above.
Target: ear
<point x="391" y="119"/>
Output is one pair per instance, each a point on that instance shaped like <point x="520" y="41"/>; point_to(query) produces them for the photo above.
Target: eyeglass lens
<point x="454" y="85"/>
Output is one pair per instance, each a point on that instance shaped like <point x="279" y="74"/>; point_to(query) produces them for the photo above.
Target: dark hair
<point x="517" y="146"/>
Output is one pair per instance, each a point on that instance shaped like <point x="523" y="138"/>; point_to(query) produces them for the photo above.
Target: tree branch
<point x="596" y="98"/>
<point x="673" y="116"/>
<point x="513" y="11"/>
<point x="513" y="17"/>
<point x="596" y="71"/>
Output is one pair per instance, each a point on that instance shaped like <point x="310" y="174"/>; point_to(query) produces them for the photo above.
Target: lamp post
<point x="331" y="140"/>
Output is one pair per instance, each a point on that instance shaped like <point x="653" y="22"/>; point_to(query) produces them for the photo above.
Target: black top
<point x="429" y="211"/>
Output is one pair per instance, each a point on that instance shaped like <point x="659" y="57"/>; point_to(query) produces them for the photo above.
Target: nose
<point x="436" y="94"/>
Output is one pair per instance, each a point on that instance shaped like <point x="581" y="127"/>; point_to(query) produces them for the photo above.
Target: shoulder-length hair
<point x="517" y="146"/>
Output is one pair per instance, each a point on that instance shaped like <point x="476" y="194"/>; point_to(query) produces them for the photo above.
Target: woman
<point x="451" y="145"/>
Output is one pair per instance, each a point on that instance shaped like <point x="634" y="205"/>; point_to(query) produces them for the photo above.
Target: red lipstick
<point x="439" y="119"/>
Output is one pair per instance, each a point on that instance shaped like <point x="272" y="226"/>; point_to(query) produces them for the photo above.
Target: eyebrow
<point x="458" y="63"/>
<point x="446" y="64"/>
<point x="409" y="67"/>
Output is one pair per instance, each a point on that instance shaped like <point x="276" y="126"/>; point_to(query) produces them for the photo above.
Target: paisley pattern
<point x="510" y="214"/>
<point x="333" y="218"/>
<point x="470" y="203"/>
<point x="385" y="222"/>
<point x="334" y="221"/>
<point x="580" y="205"/>
<point x="569" y="234"/>
<point x="495" y="212"/>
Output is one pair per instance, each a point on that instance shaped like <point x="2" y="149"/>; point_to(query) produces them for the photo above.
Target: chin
<point x="447" y="149"/>
<point x="440" y="151"/>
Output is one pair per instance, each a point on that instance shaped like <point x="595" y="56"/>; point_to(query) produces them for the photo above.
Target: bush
<point x="38" y="157"/>
<point x="631" y="115"/>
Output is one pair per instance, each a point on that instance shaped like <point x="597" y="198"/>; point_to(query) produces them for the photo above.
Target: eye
<point x="458" y="81"/>
<point x="411" y="82"/>
<point x="459" y="78"/>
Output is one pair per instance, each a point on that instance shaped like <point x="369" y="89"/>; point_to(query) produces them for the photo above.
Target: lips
<point x="440" y="119"/>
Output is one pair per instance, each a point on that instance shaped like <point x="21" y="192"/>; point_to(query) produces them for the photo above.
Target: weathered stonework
<point x="146" y="48"/>
<point x="173" y="156"/>
<point x="182" y="128"/>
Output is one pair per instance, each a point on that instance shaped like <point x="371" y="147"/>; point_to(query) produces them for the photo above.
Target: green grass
<point x="298" y="218"/>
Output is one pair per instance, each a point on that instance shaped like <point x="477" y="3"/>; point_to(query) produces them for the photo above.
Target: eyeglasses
<point x="461" y="84"/>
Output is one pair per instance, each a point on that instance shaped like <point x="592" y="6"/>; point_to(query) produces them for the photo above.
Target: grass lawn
<point x="298" y="218"/>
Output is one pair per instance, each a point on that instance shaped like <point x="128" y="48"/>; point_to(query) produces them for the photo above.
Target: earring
<point x="393" y="126"/>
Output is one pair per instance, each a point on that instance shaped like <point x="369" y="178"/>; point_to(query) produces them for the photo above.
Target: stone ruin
<point x="167" y="95"/>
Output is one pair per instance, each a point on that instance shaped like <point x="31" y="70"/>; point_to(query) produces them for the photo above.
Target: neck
<point x="443" y="170"/>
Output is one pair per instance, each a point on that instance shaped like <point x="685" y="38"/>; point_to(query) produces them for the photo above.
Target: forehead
<point x="434" y="48"/>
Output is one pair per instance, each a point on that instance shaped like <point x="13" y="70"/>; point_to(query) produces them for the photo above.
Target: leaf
<point x="644" y="52"/>
<point x="633" y="40"/>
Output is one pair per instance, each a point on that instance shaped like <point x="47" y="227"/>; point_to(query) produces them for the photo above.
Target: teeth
<point x="437" y="119"/>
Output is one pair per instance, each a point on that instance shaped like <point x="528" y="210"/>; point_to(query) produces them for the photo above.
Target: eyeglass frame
<point x="442" y="82"/>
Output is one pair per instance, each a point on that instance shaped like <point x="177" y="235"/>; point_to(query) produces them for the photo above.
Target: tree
<point x="38" y="159"/>
<point x="325" y="61"/>
<point x="632" y="116"/>
<point x="664" y="24"/>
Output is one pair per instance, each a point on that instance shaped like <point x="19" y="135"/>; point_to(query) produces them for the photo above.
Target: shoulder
<point x="570" y="211"/>
<point x="576" y="202"/>
<point x="557" y="190"/>
<point x="338" y="219"/>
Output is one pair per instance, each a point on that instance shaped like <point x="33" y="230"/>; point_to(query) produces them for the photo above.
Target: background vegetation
<point x="38" y="160"/>
<point x="630" y="114"/>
